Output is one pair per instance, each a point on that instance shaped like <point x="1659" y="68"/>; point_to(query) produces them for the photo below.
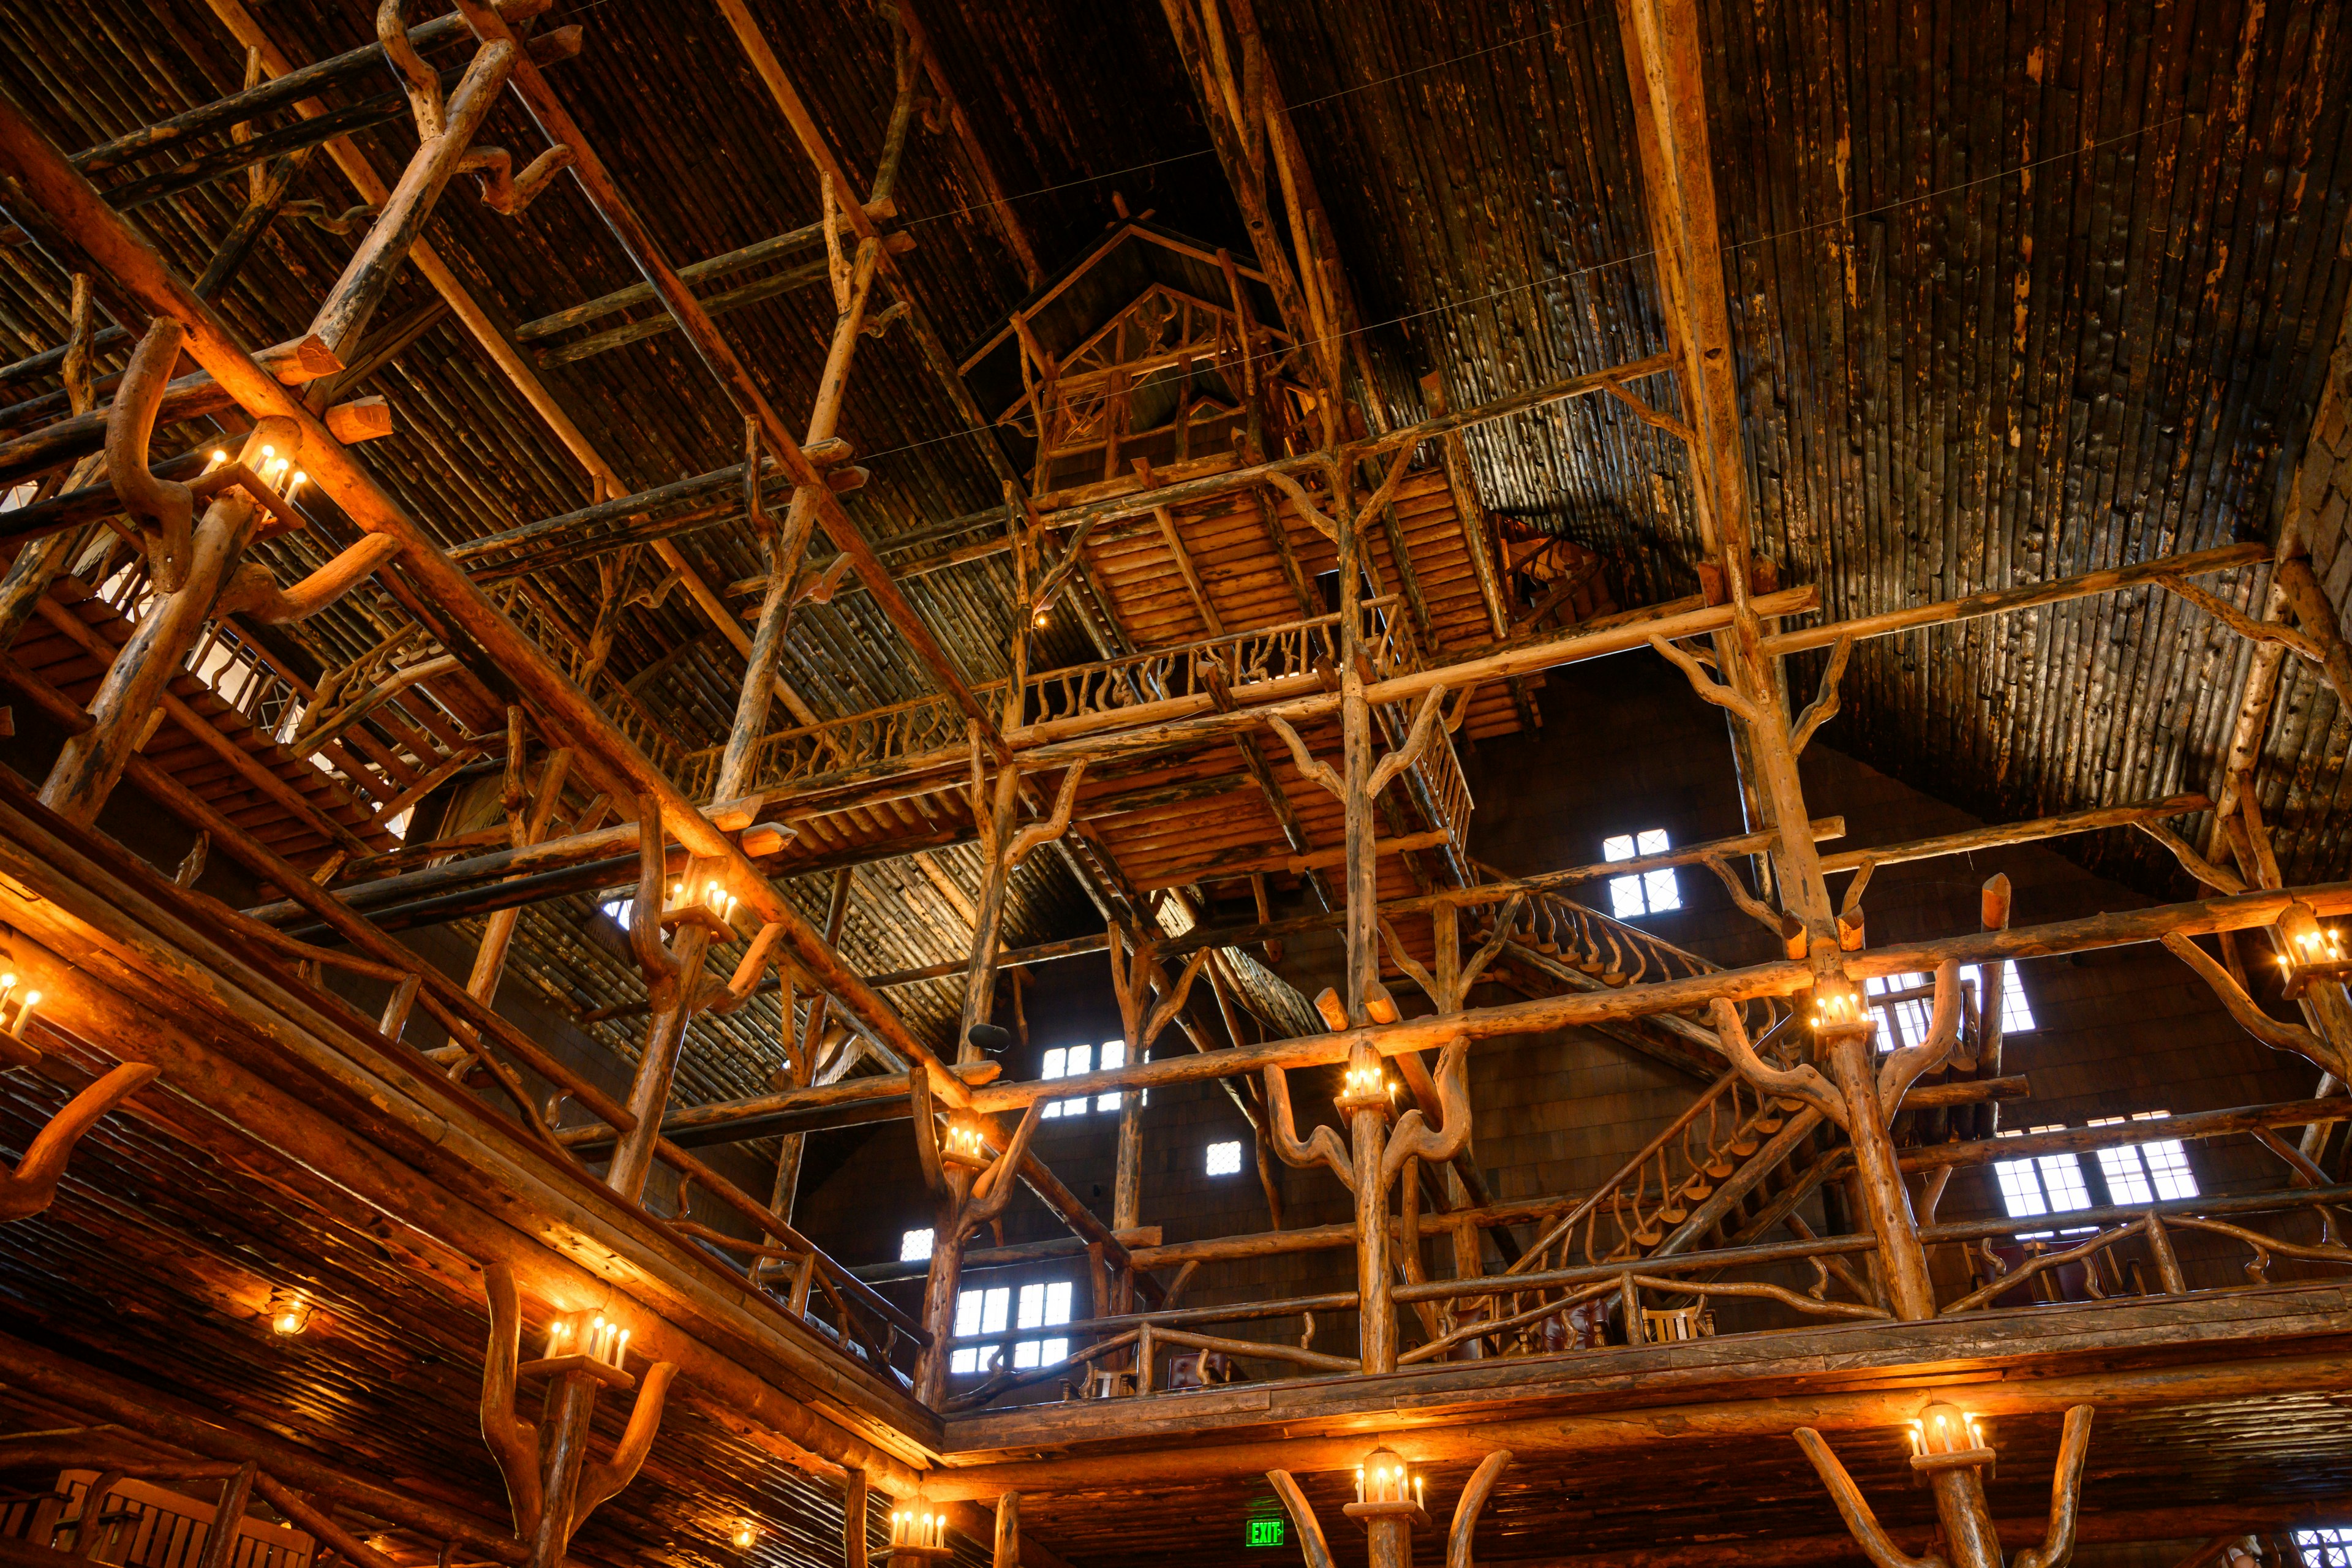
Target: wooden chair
<point x="1104" y="1383"/>
<point x="1694" y="1322"/>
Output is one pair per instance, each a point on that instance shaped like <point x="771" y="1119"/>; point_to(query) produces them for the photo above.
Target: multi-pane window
<point x="1070" y="1061"/>
<point x="1224" y="1159"/>
<point x="1644" y="892"/>
<point x="2153" y="1172"/>
<point x="1906" y="1004"/>
<point x="618" y="912"/>
<point x="996" y="1309"/>
<point x="2327" y="1548"/>
<point x="2046" y="1183"/>
<point x="915" y="1246"/>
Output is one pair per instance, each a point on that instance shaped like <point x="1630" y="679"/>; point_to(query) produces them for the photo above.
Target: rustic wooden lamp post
<point x="1369" y="1164"/>
<point x="1950" y="1448"/>
<point x="551" y="1481"/>
<point x="972" y="1189"/>
<point x="1390" y="1500"/>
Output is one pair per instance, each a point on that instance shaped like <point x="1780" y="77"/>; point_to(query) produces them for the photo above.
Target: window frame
<point x="1011" y="1308"/>
<point x="1209" y="1157"/>
<point x="1640" y="894"/>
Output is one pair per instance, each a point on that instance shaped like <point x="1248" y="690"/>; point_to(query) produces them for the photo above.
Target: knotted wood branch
<point x="1416" y="741"/>
<point x="1854" y="1507"/>
<point x="2218" y="878"/>
<point x="2275" y="1033"/>
<point x="2244" y="625"/>
<point x="2065" y="1493"/>
<point x="1413" y="1137"/>
<point x="1824" y="705"/>
<point x="32" y="1186"/>
<point x="1779" y="923"/>
<point x="924" y="1113"/>
<point x="1904" y="1067"/>
<point x="1321" y="773"/>
<point x="655" y="960"/>
<point x="1324" y="1148"/>
<point x="995" y="1186"/>
<point x="1302" y="1514"/>
<point x="1804" y="1081"/>
<point x="1473" y="1501"/>
<point x="1305" y="505"/>
<point x="1055" y="825"/>
<point x="422" y="83"/>
<point x="252" y="589"/>
<point x="723" y="998"/>
<point x="163" y="512"/>
<point x="604" y="1478"/>
<point x="1706" y="685"/>
<point x="513" y="1441"/>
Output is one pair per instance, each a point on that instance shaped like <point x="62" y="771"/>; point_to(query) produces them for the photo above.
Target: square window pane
<point x="1618" y="848"/>
<point x="1057" y="1303"/>
<point x="2329" y="1548"/>
<point x="1024" y="1354"/>
<point x="2126" y="1182"/>
<point x="1663" y="893"/>
<point x="1224" y="1159"/>
<point x="967" y="1307"/>
<point x="994" y="1305"/>
<point x="915" y="1246"/>
<point x="965" y="1362"/>
<point x="1056" y="1060"/>
<point x="2168" y="1166"/>
<point x="1114" y="1055"/>
<point x="1625" y="897"/>
<point x="1652" y="842"/>
<point x="2021" y="1193"/>
<point x="2062" y="1182"/>
<point x="1054" y="1350"/>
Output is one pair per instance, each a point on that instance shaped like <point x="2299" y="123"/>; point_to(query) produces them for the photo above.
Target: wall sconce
<point x="1838" y="1008"/>
<point x="1386" y="1488"/>
<point x="1040" y="619"/>
<point x="2313" y="952"/>
<point x="713" y="908"/>
<point x="963" y="1145"/>
<point x="289" y="1312"/>
<point x="1946" y="1438"/>
<point x="16" y="1005"/>
<point x="587" y="1337"/>
<point x="1367" y="1086"/>
<point x="745" y="1535"/>
<point x="918" y="1533"/>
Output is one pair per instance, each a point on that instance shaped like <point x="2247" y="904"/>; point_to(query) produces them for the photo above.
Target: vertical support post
<point x="574" y="1399"/>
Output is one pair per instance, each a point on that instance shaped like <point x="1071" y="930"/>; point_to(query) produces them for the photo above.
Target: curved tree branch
<point x="1305" y="505"/>
<point x="1474" y="1498"/>
<point x="1171" y="1002"/>
<point x="1411" y="967"/>
<point x="253" y="591"/>
<point x="1302" y="1514"/>
<point x="653" y="956"/>
<point x="163" y="512"/>
<point x="513" y="1442"/>
<point x="1414" y="1139"/>
<point x="1053" y="826"/>
<point x="1824" y="705"/>
<point x="1851" y="1504"/>
<point x="1803" y="1081"/>
<point x="1416" y="741"/>
<point x="927" y="1127"/>
<point x="1904" y="1067"/>
<point x="1323" y="1148"/>
<point x="423" y="83"/>
<point x="33" y="1186"/>
<point x="1319" y="772"/>
<point x="2219" y="878"/>
<point x="2065" y="1493"/>
<point x="2274" y="1033"/>
<point x="994" y="1188"/>
<point x="1703" y="683"/>
<point x="1779" y="923"/>
<point x="602" y="1479"/>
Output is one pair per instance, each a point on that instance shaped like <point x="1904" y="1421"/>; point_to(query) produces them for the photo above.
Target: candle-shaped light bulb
<point x="300" y="478"/>
<point x="267" y="453"/>
<point x="1420" y="1496"/>
<point x="621" y="1348"/>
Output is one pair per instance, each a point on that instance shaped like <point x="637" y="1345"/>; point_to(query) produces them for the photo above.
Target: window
<point x="2047" y="1184"/>
<point x="1043" y="1305"/>
<point x="2145" y="1173"/>
<point x="915" y="1246"/>
<point x="1906" y="1003"/>
<point x="1068" y="1061"/>
<point x="1649" y="892"/>
<point x="2327" y="1548"/>
<point x="1224" y="1159"/>
<point x="617" y="910"/>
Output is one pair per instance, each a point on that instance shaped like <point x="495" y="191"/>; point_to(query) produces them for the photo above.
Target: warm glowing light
<point x="1368" y="1083"/>
<point x="15" y="1011"/>
<point x="295" y="488"/>
<point x="918" y="1529"/>
<point x="1383" y="1482"/>
<point x="1040" y="619"/>
<point x="746" y="1536"/>
<point x="964" y="1142"/>
<point x="289" y="1313"/>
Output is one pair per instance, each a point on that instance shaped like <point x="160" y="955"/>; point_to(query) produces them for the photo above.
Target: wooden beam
<point x="1997" y="835"/>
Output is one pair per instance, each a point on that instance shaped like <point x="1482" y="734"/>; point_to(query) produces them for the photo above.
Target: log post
<point x="974" y="1190"/>
<point x="526" y="820"/>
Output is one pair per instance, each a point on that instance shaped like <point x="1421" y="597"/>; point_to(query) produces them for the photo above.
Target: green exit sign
<point x="1265" y="1532"/>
